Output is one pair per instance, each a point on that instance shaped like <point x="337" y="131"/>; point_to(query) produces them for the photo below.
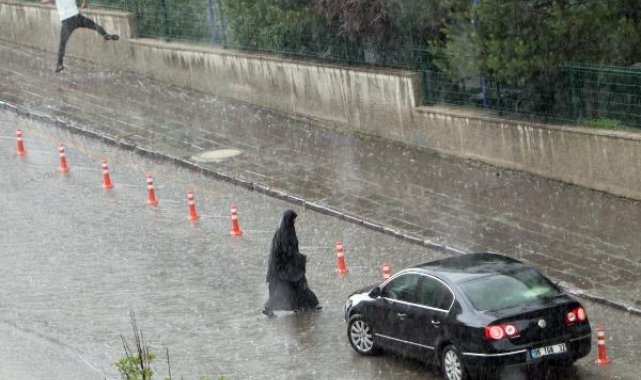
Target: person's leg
<point x="68" y="26"/>
<point x="90" y="24"/>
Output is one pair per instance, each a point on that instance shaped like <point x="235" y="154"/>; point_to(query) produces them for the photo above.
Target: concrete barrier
<point x="384" y="103"/>
<point x="597" y="159"/>
<point x="38" y="26"/>
<point x="365" y="101"/>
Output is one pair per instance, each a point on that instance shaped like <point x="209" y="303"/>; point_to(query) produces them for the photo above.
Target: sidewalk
<point x="586" y="239"/>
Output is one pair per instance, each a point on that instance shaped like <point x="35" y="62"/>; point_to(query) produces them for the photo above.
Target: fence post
<point x="213" y="29"/>
<point x="576" y="115"/>
<point x="221" y="15"/>
<point x="164" y="20"/>
<point x="484" y="91"/>
<point x="499" y="97"/>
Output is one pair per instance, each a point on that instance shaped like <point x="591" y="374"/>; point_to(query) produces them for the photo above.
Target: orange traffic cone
<point x="603" y="357"/>
<point x="150" y="191"/>
<point x="192" y="206"/>
<point x="342" y="269"/>
<point x="63" y="160"/>
<point x="105" y="175"/>
<point x="386" y="271"/>
<point x="21" y="151"/>
<point x="234" y="222"/>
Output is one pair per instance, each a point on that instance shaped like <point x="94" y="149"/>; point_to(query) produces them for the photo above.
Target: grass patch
<point x="602" y="123"/>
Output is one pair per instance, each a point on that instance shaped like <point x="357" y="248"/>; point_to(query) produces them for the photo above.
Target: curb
<point x="279" y="194"/>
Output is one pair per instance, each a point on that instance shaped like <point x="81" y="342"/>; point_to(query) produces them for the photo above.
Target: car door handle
<point x="401" y="316"/>
<point x="436" y="323"/>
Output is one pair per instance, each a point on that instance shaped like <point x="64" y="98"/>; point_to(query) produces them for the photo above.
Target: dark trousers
<point x="69" y="25"/>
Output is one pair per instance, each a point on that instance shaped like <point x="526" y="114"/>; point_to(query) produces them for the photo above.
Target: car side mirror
<point x="376" y="292"/>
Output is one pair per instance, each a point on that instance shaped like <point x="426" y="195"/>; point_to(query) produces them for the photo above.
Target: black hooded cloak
<point x="288" y="289"/>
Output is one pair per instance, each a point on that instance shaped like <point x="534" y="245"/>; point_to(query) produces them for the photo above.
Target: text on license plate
<point x="548" y="350"/>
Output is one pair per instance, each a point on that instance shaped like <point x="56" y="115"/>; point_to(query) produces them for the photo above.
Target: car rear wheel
<point x="361" y="336"/>
<point x="452" y="364"/>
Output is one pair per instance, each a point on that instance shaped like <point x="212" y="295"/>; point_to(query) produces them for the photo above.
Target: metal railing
<point x="599" y="96"/>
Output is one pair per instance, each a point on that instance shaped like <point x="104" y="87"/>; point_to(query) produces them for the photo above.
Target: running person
<point x="72" y="19"/>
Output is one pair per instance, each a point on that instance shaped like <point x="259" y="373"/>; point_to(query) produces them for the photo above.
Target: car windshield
<point x="509" y="289"/>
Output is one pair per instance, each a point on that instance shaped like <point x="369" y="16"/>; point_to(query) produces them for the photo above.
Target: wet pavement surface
<point x="586" y="239"/>
<point x="77" y="258"/>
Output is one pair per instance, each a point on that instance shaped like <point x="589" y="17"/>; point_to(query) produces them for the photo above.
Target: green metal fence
<point x="111" y="4"/>
<point x="605" y="95"/>
<point x="599" y="96"/>
<point x="283" y="32"/>
<point x="602" y="96"/>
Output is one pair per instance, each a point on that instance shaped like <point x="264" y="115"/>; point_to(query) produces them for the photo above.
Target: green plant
<point x="136" y="364"/>
<point x="605" y="123"/>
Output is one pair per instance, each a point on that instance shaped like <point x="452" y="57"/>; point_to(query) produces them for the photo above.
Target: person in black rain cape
<point x="288" y="289"/>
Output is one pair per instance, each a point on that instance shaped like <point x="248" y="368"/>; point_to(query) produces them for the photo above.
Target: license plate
<point x="548" y="350"/>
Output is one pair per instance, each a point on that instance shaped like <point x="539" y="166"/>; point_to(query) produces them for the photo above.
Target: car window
<point x="435" y="294"/>
<point x="402" y="288"/>
<point x="508" y="289"/>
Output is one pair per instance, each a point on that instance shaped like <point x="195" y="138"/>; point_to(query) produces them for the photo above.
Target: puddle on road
<point x="216" y="155"/>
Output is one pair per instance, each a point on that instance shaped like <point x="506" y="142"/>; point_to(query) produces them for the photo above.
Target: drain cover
<point x="216" y="155"/>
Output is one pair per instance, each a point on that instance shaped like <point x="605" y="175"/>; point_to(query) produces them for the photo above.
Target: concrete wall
<point x="383" y="103"/>
<point x="366" y="101"/>
<point x="38" y="26"/>
<point x="602" y="160"/>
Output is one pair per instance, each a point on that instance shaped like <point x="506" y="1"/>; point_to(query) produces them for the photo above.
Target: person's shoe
<point x="318" y="307"/>
<point x="59" y="67"/>
<point x="269" y="313"/>
<point x="112" y="37"/>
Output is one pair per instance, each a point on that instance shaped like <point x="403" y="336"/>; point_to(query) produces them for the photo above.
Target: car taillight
<point x="498" y="332"/>
<point x="575" y="315"/>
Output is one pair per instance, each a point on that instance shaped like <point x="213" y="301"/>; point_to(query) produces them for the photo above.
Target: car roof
<point x="472" y="265"/>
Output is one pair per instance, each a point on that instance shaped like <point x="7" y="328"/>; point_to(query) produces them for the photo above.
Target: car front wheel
<point x="361" y="335"/>
<point x="452" y="364"/>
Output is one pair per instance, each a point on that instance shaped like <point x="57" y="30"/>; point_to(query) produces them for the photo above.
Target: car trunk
<point x="527" y="319"/>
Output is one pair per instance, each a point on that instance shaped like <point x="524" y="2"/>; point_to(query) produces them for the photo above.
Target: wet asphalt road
<point x="587" y="239"/>
<point x="77" y="258"/>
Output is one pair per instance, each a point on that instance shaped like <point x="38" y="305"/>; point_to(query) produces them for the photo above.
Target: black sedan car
<point x="469" y="314"/>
